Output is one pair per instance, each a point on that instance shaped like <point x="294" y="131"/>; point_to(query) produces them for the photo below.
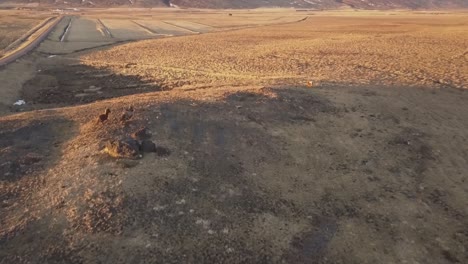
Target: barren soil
<point x="369" y="165"/>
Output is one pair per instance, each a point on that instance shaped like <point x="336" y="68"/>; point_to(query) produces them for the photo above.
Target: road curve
<point x="31" y="45"/>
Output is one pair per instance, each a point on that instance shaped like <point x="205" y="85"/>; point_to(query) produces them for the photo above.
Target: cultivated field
<point x="251" y="165"/>
<point x="102" y="28"/>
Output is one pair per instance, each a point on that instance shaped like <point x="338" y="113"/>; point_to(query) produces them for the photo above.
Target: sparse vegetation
<point x="393" y="51"/>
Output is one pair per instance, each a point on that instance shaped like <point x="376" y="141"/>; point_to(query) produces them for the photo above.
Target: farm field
<point x="94" y="29"/>
<point x="14" y="24"/>
<point x="280" y="137"/>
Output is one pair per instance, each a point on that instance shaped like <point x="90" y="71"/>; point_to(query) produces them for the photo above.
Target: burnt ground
<point x="61" y="82"/>
<point x="330" y="174"/>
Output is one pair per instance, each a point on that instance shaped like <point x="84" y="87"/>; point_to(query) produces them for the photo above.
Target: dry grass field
<point x="13" y="24"/>
<point x="369" y="165"/>
<point x="403" y="50"/>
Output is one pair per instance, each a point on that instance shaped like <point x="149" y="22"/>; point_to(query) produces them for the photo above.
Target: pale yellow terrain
<point x="411" y="50"/>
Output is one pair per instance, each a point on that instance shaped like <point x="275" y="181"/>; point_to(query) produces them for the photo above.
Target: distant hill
<point x="361" y="4"/>
<point x="318" y="4"/>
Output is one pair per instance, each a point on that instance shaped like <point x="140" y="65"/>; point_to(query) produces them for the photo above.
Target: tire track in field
<point x="184" y="28"/>
<point x="106" y="29"/>
<point x="147" y="29"/>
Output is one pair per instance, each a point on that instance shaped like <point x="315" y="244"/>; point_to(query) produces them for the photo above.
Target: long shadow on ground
<point x="63" y="84"/>
<point x="273" y="175"/>
<point x="28" y="149"/>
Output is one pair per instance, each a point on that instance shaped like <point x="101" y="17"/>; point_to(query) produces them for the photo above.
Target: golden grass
<point x="418" y="50"/>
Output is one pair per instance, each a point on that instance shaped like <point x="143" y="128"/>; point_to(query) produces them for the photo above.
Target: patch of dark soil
<point x="147" y="146"/>
<point x="311" y="246"/>
<point x="162" y="151"/>
<point x="42" y="241"/>
<point x="333" y="207"/>
<point x="212" y="205"/>
<point x="286" y="105"/>
<point x="439" y="198"/>
<point x="64" y="85"/>
<point x="28" y="148"/>
<point x="413" y="150"/>
<point x="450" y="256"/>
<point x="366" y="92"/>
<point x="203" y="214"/>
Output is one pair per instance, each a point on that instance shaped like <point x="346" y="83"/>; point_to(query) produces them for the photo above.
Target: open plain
<point x="282" y="137"/>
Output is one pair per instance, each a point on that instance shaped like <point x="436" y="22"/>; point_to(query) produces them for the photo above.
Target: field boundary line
<point x="105" y="28"/>
<point x="202" y="24"/>
<point x="147" y="29"/>
<point x="184" y="28"/>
